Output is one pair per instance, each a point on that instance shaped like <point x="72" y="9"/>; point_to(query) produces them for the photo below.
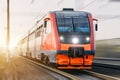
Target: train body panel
<point x="31" y="43"/>
<point x="65" y="38"/>
<point x="24" y="47"/>
<point x="38" y="42"/>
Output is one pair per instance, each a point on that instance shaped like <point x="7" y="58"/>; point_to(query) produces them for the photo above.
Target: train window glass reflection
<point x="64" y="23"/>
<point x="72" y="22"/>
<point x="81" y="24"/>
<point x="67" y="26"/>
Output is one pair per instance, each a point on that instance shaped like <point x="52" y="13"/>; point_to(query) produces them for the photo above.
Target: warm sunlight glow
<point x="3" y="45"/>
<point x="12" y="46"/>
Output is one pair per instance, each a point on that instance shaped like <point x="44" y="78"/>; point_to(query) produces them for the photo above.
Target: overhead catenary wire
<point x="105" y="17"/>
<point x="60" y="2"/>
<point x="89" y="4"/>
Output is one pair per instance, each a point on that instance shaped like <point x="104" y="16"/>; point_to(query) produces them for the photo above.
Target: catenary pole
<point x="8" y="32"/>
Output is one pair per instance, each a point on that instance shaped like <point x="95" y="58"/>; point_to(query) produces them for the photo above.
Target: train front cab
<point x="76" y="35"/>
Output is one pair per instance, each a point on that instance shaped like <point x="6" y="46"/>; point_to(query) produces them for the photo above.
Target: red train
<point x="63" y="38"/>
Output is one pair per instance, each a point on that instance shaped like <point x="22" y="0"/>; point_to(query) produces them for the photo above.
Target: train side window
<point x="47" y="26"/>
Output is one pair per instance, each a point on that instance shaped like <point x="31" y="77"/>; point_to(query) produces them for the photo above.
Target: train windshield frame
<point x="72" y="22"/>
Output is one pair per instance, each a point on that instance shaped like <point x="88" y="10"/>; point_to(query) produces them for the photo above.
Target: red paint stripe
<point x="92" y="32"/>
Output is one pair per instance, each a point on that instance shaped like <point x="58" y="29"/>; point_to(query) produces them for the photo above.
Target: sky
<point x="108" y="14"/>
<point x="25" y="13"/>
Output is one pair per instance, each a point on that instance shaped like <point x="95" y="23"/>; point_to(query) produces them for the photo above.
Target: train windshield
<point x="73" y="27"/>
<point x="72" y="22"/>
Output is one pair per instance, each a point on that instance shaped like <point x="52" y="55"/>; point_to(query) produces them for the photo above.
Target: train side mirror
<point x="96" y="25"/>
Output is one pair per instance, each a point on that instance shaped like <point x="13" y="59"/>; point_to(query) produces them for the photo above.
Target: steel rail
<point x="105" y="77"/>
<point x="110" y="66"/>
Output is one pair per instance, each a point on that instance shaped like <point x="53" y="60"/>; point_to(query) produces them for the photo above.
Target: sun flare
<point x="12" y="46"/>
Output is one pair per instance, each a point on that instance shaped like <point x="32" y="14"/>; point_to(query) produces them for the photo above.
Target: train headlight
<point x="61" y="38"/>
<point x="75" y="40"/>
<point x="87" y="38"/>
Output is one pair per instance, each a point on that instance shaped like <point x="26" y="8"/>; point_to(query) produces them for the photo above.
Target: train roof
<point x="69" y="11"/>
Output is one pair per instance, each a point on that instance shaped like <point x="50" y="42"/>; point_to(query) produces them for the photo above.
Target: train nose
<point x="76" y="57"/>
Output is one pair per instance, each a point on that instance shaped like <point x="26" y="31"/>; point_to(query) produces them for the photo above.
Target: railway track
<point x="107" y="69"/>
<point x="73" y="74"/>
<point x="92" y="75"/>
<point x="103" y="76"/>
<point x="109" y="62"/>
<point x="53" y="71"/>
